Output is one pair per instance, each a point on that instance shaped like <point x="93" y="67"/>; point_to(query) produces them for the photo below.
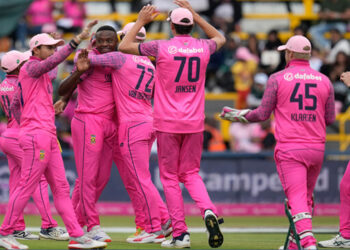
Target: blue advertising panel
<point x="229" y="178"/>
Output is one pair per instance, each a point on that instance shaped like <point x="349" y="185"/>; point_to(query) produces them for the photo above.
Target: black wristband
<point x="73" y="43"/>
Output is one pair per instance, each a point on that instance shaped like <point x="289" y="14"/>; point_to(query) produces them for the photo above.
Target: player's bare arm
<point x="146" y="15"/>
<point x="69" y="84"/>
<point x="85" y="34"/>
<point x="209" y="30"/>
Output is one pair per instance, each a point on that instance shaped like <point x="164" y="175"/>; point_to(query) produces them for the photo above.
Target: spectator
<point x="341" y="64"/>
<point x="227" y="15"/>
<point x="224" y="77"/>
<point x="251" y="137"/>
<point x="337" y="43"/>
<point x="341" y="92"/>
<point x="270" y="58"/>
<point x="243" y="72"/>
<point x="257" y="91"/>
<point x="213" y="141"/>
<point x="300" y="30"/>
<point x="333" y="14"/>
<point x="316" y="60"/>
<point x="74" y="16"/>
<point x="39" y="19"/>
<point x="253" y="45"/>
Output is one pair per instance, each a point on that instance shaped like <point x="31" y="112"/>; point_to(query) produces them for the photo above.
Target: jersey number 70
<point x="191" y="61"/>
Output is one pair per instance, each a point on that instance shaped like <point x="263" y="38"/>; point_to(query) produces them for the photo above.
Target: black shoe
<point x="215" y="237"/>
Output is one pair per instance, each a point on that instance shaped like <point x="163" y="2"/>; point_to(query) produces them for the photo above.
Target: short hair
<point x="139" y="34"/>
<point x="106" y="27"/>
<point x="303" y="56"/>
<point x="183" y="29"/>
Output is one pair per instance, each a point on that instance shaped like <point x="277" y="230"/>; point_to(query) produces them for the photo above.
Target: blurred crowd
<point x="241" y="66"/>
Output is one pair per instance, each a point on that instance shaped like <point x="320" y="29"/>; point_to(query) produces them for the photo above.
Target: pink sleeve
<point x="330" y="108"/>
<point x="53" y="73"/>
<point x="36" y="68"/>
<point x="149" y="48"/>
<point x="113" y="60"/>
<point x="268" y="103"/>
<point x="16" y="104"/>
<point x="212" y="45"/>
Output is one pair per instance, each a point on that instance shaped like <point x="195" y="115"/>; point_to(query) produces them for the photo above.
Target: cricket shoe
<point x="24" y="235"/>
<point x="167" y="228"/>
<point x="9" y="242"/>
<point x="54" y="233"/>
<point x="215" y="237"/>
<point x="182" y="241"/>
<point x="156" y="237"/>
<point x="139" y="231"/>
<point x="84" y="242"/>
<point x="337" y="242"/>
<point x="96" y="233"/>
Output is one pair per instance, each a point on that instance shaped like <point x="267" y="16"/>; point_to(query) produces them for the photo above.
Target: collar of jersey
<point x="182" y="36"/>
<point x="11" y="76"/>
<point x="297" y="62"/>
<point x="34" y="58"/>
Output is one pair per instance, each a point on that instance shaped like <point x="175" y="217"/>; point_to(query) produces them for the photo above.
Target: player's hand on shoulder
<point x="147" y="14"/>
<point x="345" y="77"/>
<point x="234" y="115"/>
<point x="59" y="106"/>
<point x="83" y="62"/>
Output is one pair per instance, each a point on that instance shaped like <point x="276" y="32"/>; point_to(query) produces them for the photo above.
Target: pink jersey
<point x="133" y="80"/>
<point x="35" y="92"/>
<point x="95" y="95"/>
<point x="40" y="12"/>
<point x="180" y="77"/>
<point x="303" y="103"/>
<point x="8" y="88"/>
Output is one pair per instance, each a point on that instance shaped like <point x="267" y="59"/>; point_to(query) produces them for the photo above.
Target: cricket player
<point x="342" y="240"/>
<point x="93" y="133"/>
<point x="302" y="100"/>
<point x="133" y="82"/>
<point x="179" y="112"/>
<point x="11" y="63"/>
<point x="38" y="140"/>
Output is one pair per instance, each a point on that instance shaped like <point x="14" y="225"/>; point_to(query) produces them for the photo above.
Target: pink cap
<point x="299" y="44"/>
<point x="178" y="14"/>
<point x="141" y="35"/>
<point x="243" y="53"/>
<point x="43" y="39"/>
<point x="12" y="59"/>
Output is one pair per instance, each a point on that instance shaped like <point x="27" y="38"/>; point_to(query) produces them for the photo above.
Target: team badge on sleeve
<point x="93" y="139"/>
<point x="42" y="155"/>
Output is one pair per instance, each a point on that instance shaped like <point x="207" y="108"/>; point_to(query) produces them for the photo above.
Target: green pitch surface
<point x="198" y="240"/>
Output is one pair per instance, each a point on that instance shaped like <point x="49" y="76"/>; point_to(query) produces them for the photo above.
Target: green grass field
<point x="198" y="240"/>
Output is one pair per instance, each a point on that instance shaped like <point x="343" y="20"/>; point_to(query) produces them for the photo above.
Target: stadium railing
<point x="343" y="136"/>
